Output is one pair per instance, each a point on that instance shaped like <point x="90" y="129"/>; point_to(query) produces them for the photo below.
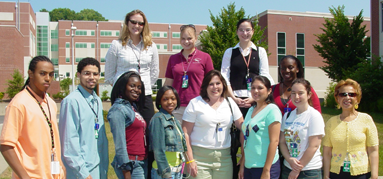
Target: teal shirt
<point x="81" y="151"/>
<point x="257" y="143"/>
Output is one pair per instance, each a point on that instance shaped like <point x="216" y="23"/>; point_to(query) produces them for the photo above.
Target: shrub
<point x="329" y="98"/>
<point x="59" y="95"/>
<point x="104" y="95"/>
<point x="15" y="85"/>
<point x="1" y="96"/>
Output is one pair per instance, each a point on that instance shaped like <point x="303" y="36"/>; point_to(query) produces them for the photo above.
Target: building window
<point x="158" y="46"/>
<point x="67" y="60"/>
<point x="177" y="47"/>
<point x="81" y="32"/>
<point x="176" y="35"/>
<point x="81" y="45"/>
<point x="42" y="40"/>
<point x="67" y="32"/>
<point x="55" y="61"/>
<point x="105" y="33"/>
<point x="102" y="74"/>
<point x="105" y="45"/>
<point x="301" y="48"/>
<point x="382" y="16"/>
<point x="78" y="59"/>
<point x="281" y="45"/>
<point x="54" y="34"/>
<point x="165" y="34"/>
<point x="165" y="46"/>
<point x="92" y="45"/>
<point x="56" y="73"/>
<point x="54" y="47"/>
<point x="102" y="59"/>
<point x="156" y="34"/>
<point x="67" y="74"/>
<point x="92" y="33"/>
<point x="67" y="45"/>
<point x="117" y="33"/>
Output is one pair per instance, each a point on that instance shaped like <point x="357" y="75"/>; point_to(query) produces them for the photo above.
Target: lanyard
<point x="94" y="112"/>
<point x="183" y="68"/>
<point x="46" y="117"/>
<point x="138" y="57"/>
<point x="247" y="62"/>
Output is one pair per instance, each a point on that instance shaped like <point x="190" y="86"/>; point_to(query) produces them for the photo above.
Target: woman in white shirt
<point x="301" y="135"/>
<point x="134" y="51"/>
<point x="206" y="123"/>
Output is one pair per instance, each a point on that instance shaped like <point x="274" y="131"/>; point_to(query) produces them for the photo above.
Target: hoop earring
<point x="356" y="106"/>
<point x="160" y="106"/>
<point x="338" y="106"/>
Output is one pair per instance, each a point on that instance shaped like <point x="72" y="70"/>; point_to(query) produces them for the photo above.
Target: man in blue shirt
<point x="81" y="126"/>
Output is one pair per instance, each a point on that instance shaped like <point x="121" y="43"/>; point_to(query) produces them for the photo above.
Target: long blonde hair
<point x="125" y="34"/>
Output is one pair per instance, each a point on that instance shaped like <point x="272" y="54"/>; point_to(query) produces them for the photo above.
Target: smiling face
<point x="259" y="91"/>
<point x="42" y="77"/>
<point x="299" y="95"/>
<point x="135" y="29"/>
<point x="215" y="88"/>
<point x="169" y="101"/>
<point x="346" y="102"/>
<point x="245" y="32"/>
<point x="289" y="69"/>
<point x="133" y="89"/>
<point x="188" y="38"/>
<point x="89" y="77"/>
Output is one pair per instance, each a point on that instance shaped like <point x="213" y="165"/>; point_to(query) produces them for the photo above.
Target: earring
<point x="159" y="105"/>
<point x="338" y="106"/>
<point x="356" y="106"/>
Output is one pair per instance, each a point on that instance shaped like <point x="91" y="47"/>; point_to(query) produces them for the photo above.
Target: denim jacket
<point x="120" y="116"/>
<point x="164" y="136"/>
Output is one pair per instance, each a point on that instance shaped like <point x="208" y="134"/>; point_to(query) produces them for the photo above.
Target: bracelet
<point x="190" y="161"/>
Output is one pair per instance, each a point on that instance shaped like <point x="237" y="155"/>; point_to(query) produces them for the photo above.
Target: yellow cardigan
<point x="351" y="139"/>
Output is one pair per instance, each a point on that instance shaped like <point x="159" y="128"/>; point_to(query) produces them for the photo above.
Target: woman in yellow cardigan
<point x="350" y="146"/>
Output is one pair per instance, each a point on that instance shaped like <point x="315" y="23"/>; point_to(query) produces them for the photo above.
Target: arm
<point x="72" y="151"/>
<point x="111" y="63"/>
<point x="373" y="155"/>
<point x="225" y="70"/>
<point x="264" y="65"/>
<point x="242" y="160"/>
<point x="187" y="127"/>
<point x="154" y="66"/>
<point x="274" y="140"/>
<point x="11" y="157"/>
<point x="157" y="140"/>
<point x="314" y="143"/>
<point x="327" y="153"/>
<point x="168" y="82"/>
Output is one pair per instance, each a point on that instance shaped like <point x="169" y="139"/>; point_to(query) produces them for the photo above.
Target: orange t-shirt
<point x="25" y="128"/>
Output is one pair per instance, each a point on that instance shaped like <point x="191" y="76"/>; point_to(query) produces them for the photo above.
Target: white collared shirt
<point x="120" y="59"/>
<point x="263" y="66"/>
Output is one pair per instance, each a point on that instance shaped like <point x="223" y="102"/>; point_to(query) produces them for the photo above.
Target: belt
<point x="138" y="157"/>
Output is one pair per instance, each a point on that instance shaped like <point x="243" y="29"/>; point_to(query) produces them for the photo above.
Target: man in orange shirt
<point x="30" y="140"/>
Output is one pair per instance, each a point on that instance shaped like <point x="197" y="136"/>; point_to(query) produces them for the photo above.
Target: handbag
<point x="234" y="134"/>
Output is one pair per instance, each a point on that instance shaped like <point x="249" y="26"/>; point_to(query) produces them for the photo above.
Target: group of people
<point x="201" y="113"/>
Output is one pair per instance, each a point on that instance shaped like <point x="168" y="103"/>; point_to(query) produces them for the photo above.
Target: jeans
<point x="275" y="171"/>
<point x="139" y="170"/>
<point x="175" y="175"/>
<point x="315" y="173"/>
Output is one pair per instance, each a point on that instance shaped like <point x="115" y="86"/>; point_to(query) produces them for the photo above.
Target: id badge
<point x="185" y="81"/>
<point x="294" y="149"/>
<point x="96" y="127"/>
<point x="346" y="166"/>
<point x="220" y="134"/>
<point x="55" y="167"/>
<point x="248" y="83"/>
<point x="287" y="109"/>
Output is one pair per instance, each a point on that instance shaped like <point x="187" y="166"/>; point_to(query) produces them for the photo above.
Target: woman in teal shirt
<point x="260" y="131"/>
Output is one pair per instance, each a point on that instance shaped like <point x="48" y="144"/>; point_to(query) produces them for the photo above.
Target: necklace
<point x="138" y="57"/>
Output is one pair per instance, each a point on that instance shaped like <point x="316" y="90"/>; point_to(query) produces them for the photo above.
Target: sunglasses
<point x="347" y="94"/>
<point x="189" y="25"/>
<point x="134" y="22"/>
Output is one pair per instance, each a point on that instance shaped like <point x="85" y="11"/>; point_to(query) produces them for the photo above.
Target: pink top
<point x="278" y="101"/>
<point x="135" y="136"/>
<point x="201" y="63"/>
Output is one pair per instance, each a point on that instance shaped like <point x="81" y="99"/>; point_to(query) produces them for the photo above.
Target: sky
<point x="197" y="11"/>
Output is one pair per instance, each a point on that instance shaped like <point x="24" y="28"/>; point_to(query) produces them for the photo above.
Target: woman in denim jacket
<point x="167" y="140"/>
<point x="128" y="127"/>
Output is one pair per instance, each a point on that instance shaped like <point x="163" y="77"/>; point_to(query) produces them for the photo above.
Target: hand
<point x="239" y="101"/>
<point x="295" y="163"/>
<point x="249" y="100"/>
<point x="89" y="177"/>
<point x="241" y="174"/>
<point x="127" y="174"/>
<point x="294" y="174"/>
<point x="192" y="168"/>
<point x="374" y="177"/>
<point x="265" y="174"/>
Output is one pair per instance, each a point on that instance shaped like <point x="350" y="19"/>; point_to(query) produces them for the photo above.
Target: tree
<point x="65" y="83"/>
<point x="15" y="85"/>
<point x="342" y="44"/>
<point x="44" y="10"/>
<point x="90" y="15"/>
<point x="223" y="33"/>
<point x="62" y="14"/>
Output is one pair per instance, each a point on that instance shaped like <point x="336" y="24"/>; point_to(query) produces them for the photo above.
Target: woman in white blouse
<point x="134" y="51"/>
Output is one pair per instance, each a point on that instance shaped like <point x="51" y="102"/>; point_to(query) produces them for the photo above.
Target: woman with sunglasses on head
<point x="351" y="144"/>
<point x="186" y="70"/>
<point x="260" y="132"/>
<point x="128" y="127"/>
<point x="134" y="51"/>
<point x="301" y="135"/>
<point x="290" y="68"/>
<point x="239" y="65"/>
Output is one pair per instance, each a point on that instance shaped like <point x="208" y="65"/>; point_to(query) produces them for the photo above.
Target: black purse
<point x="234" y="134"/>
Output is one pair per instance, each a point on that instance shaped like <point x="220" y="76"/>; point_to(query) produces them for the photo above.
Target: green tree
<point x="90" y="15"/>
<point x="343" y="44"/>
<point x="65" y="83"/>
<point x="62" y="14"/>
<point x="44" y="10"/>
<point x="223" y="33"/>
<point x="15" y="85"/>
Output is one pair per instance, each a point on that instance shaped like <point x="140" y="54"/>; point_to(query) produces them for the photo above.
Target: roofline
<point x="305" y="14"/>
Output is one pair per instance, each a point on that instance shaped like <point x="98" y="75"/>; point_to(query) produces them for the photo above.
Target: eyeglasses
<point x="248" y="30"/>
<point x="347" y="94"/>
<point x="88" y="73"/>
<point x="134" y="22"/>
<point x="189" y="25"/>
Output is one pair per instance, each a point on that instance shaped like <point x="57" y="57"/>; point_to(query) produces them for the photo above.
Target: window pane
<point x="281" y="40"/>
<point x="302" y="59"/>
<point x="281" y="51"/>
<point x="300" y="51"/>
<point x="300" y="40"/>
<point x="280" y="57"/>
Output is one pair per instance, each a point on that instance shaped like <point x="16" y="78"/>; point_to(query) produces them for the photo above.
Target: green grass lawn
<point x="327" y="113"/>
